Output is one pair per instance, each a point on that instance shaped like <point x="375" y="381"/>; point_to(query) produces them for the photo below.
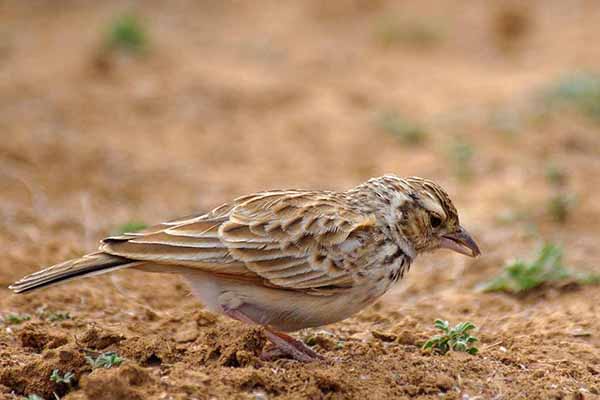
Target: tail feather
<point x="88" y="265"/>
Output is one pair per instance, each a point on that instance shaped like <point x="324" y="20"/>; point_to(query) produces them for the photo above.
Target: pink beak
<point x="461" y="242"/>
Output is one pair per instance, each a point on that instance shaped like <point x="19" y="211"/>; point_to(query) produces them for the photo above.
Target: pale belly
<point x="284" y="310"/>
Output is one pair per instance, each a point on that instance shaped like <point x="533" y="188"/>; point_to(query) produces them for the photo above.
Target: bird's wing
<point x="292" y="239"/>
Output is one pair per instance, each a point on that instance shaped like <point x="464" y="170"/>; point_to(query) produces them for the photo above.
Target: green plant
<point x="311" y="340"/>
<point x="126" y="33"/>
<point x="520" y="276"/>
<point x="104" y="360"/>
<point x="559" y="206"/>
<point x="556" y="175"/>
<point x="129" y="227"/>
<point x="33" y="397"/>
<point x="455" y="339"/>
<point x="15" y="319"/>
<point x="67" y="378"/>
<point x="52" y="316"/>
<point x="406" y="131"/>
<point x="58" y="316"/>
<point x="579" y="91"/>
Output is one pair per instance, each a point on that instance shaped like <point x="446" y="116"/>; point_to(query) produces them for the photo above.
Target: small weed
<point x="559" y="206"/>
<point x="391" y="30"/>
<point x="461" y="154"/>
<point x="33" y="397"/>
<point x="105" y="360"/>
<point x="555" y="175"/>
<point x="579" y="91"/>
<point x="455" y="339"/>
<point x="560" y="203"/>
<point x="311" y="340"/>
<point x="406" y="131"/>
<point x="58" y="316"/>
<point x="67" y="378"/>
<point x="129" y="227"/>
<point x="15" y="319"/>
<point x="520" y="276"/>
<point x="43" y="313"/>
<point x="127" y="34"/>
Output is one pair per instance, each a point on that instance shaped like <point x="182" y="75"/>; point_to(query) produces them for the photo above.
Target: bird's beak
<point x="461" y="242"/>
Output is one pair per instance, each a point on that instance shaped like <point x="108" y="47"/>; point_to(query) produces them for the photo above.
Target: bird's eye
<point x="435" y="221"/>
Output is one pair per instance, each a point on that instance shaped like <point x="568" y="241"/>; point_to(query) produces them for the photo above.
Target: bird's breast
<point x="392" y="269"/>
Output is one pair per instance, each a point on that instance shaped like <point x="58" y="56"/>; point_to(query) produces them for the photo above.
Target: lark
<point x="287" y="259"/>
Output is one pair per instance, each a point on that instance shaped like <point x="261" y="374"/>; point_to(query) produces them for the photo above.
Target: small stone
<point x="65" y="355"/>
<point x="383" y="336"/>
<point x="407" y="337"/>
<point x="205" y="318"/>
<point x="187" y="333"/>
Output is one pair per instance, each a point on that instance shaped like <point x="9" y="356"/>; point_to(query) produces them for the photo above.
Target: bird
<point x="287" y="259"/>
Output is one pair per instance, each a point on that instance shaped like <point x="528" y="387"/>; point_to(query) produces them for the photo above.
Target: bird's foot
<point x="288" y="346"/>
<point x="273" y="353"/>
<point x="285" y="345"/>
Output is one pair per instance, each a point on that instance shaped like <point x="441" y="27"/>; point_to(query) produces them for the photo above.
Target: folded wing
<point x="291" y="239"/>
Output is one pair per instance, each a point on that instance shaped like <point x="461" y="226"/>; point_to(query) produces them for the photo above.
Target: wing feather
<point x="298" y="240"/>
<point x="165" y="238"/>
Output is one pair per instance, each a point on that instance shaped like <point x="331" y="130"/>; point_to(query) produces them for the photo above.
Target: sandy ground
<point x="233" y="98"/>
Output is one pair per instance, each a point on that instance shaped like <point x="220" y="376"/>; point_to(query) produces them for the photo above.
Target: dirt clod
<point x="115" y="384"/>
<point x="99" y="339"/>
<point x="36" y="337"/>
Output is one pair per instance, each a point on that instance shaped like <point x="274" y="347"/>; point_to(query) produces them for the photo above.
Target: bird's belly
<point x="306" y="311"/>
<point x="284" y="310"/>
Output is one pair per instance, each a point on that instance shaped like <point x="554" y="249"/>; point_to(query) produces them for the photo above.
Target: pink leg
<point x="283" y="342"/>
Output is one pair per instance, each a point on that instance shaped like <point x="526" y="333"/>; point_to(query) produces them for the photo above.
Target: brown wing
<point x="292" y="239"/>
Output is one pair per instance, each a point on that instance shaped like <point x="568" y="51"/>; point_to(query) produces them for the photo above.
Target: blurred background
<point x="118" y="114"/>
<point x="113" y="112"/>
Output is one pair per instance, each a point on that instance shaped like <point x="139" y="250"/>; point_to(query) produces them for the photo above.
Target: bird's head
<point x="420" y="213"/>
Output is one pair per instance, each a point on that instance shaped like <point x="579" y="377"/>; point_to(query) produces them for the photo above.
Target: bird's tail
<point x="88" y="265"/>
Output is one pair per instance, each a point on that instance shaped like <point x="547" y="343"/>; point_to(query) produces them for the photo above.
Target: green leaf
<point x="129" y="227"/>
<point x="33" y="397"/>
<point x="58" y="316"/>
<point x="441" y="324"/>
<point x="105" y="360"/>
<point x="66" y="378"/>
<point x="456" y="339"/>
<point x="126" y="33"/>
<point x="521" y="276"/>
<point x="15" y="319"/>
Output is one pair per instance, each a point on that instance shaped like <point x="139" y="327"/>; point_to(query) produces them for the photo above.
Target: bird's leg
<point x="296" y="345"/>
<point x="284" y="343"/>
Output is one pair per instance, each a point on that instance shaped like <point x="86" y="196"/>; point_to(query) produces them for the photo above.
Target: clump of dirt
<point x="230" y="345"/>
<point x="148" y="350"/>
<point x="127" y="382"/>
<point x="33" y="375"/>
<point x="99" y="339"/>
<point x="37" y="337"/>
